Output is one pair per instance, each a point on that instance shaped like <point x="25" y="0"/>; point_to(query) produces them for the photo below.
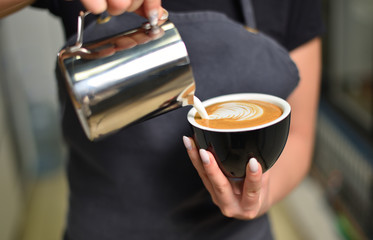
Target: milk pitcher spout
<point x="127" y="78"/>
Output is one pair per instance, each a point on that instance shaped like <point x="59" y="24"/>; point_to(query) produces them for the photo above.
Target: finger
<point x="162" y="14"/>
<point x="222" y="187"/>
<point x="95" y="6"/>
<point x="117" y="7"/>
<point x="197" y="163"/>
<point x="135" y="4"/>
<point x="151" y="9"/>
<point x="252" y="186"/>
<point x="151" y="6"/>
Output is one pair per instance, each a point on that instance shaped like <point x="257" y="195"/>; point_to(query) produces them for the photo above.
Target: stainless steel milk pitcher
<point x="126" y="78"/>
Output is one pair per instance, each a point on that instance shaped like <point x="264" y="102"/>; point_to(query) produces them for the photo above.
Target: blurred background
<point x="334" y="202"/>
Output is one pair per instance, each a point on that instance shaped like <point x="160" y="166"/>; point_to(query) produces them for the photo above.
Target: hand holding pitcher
<point x="146" y="8"/>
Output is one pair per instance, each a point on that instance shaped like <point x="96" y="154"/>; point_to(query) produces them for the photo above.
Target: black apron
<point x="139" y="183"/>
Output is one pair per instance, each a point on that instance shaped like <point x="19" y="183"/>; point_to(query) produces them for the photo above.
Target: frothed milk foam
<point x="237" y="114"/>
<point x="199" y="107"/>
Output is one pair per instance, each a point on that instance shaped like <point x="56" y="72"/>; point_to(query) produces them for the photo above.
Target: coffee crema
<point x="239" y="114"/>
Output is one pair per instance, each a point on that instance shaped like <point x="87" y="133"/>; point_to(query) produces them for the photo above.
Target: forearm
<point x="291" y="168"/>
<point x="10" y="6"/>
<point x="296" y="158"/>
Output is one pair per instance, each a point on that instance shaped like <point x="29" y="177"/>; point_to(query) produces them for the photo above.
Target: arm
<point x="304" y="102"/>
<point x="258" y="192"/>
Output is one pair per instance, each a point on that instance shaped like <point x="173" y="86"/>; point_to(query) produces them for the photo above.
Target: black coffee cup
<point x="232" y="148"/>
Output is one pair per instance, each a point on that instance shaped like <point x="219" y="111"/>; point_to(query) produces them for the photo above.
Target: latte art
<point x="239" y="114"/>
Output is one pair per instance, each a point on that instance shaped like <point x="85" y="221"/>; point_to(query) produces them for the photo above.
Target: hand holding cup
<point x="233" y="158"/>
<point x="238" y="198"/>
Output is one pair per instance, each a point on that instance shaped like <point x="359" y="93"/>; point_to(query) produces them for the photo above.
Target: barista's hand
<point x="115" y="7"/>
<point x="245" y="199"/>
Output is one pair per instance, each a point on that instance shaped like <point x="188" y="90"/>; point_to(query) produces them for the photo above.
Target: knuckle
<point x="251" y="214"/>
<point x="226" y="212"/>
<point x="209" y="171"/>
<point x="221" y="188"/>
<point x="202" y="173"/>
<point x="214" y="201"/>
<point x="252" y="195"/>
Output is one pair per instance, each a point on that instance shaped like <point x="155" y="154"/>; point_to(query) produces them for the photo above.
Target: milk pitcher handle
<point x="79" y="35"/>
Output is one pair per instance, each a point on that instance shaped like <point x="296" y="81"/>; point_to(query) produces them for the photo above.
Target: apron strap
<point x="248" y="13"/>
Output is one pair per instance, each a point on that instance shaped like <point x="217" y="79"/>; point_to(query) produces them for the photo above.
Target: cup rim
<point x="283" y="104"/>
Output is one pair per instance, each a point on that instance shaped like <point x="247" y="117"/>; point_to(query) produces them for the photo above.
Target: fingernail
<point x="164" y="15"/>
<point x="153" y="17"/>
<point x="253" y="165"/>
<point x="187" y="143"/>
<point x="204" y="156"/>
